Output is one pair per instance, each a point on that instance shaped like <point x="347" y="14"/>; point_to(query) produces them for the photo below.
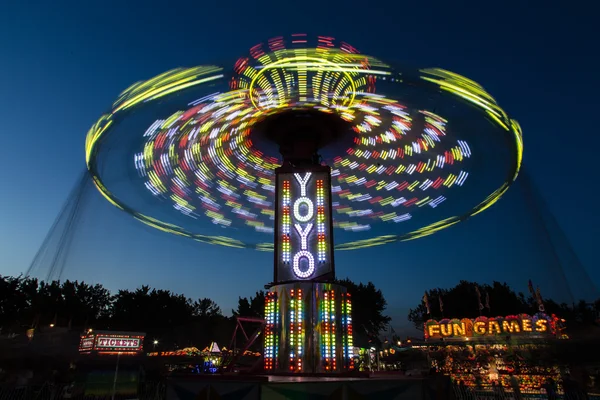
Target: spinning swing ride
<point x="302" y="139"/>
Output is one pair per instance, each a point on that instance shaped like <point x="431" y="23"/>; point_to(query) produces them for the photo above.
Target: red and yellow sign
<point x="106" y="342"/>
<point x="523" y="324"/>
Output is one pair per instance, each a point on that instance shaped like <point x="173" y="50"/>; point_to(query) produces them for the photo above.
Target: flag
<point x="441" y="304"/>
<point x="487" y="301"/>
<point x="538" y="297"/>
<point x="426" y="301"/>
<point x="479" y="297"/>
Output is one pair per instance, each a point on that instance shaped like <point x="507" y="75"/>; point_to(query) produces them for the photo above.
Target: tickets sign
<point x="111" y="342"/>
<point x="103" y="342"/>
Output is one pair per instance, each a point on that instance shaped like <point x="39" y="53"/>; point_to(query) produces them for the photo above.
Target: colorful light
<point x="285" y="222"/>
<point x="321" y="241"/>
<point x="296" y="331"/>
<point x="348" y="344"/>
<point x="302" y="242"/>
<point x="106" y="342"/>
<point x="332" y="333"/>
<point x="271" y="348"/>
<point x="234" y="160"/>
<point x="202" y="160"/>
<point x="325" y="331"/>
<point x="328" y="331"/>
<point x="324" y="328"/>
<point x="523" y="324"/>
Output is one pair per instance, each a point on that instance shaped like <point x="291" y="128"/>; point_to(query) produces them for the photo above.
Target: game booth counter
<point x="484" y="351"/>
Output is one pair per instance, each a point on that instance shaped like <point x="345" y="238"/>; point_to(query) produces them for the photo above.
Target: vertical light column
<point x="328" y="331"/>
<point x="285" y="222"/>
<point x="332" y="335"/>
<point x="302" y="78"/>
<point x="325" y="330"/>
<point x="271" y="331"/>
<point x="347" y="327"/>
<point x="296" y="337"/>
<point x="292" y="331"/>
<point x="299" y="330"/>
<point x="321" y="242"/>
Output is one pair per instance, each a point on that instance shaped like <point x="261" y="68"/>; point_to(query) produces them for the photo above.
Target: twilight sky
<point x="63" y="63"/>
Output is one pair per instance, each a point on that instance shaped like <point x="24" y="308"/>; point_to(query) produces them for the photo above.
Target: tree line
<point x="173" y="320"/>
<point x="497" y="299"/>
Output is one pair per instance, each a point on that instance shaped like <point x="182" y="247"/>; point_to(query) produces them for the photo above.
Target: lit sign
<point x="303" y="219"/>
<point x="539" y="324"/>
<point x="108" y="342"/>
<point x="87" y="343"/>
<point x="117" y="343"/>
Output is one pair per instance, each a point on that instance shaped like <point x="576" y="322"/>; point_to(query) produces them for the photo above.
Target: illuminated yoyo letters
<point x="303" y="235"/>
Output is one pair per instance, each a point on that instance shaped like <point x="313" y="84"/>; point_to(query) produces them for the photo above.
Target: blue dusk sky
<point x="63" y="63"/>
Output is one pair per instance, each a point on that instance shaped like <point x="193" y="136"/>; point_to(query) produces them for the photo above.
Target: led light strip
<point x="296" y="330"/>
<point x="321" y="243"/>
<point x="272" y="321"/>
<point x="332" y="335"/>
<point x="328" y="331"/>
<point x="299" y="331"/>
<point x="285" y="223"/>
<point x="325" y="331"/>
<point x="347" y="326"/>
<point x="292" y="329"/>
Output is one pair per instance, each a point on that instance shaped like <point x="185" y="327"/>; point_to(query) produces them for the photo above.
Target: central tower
<point x="308" y="316"/>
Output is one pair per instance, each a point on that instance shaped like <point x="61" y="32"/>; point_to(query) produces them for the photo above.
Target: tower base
<point x="308" y="329"/>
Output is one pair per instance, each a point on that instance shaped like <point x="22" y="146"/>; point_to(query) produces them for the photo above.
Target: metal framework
<point x="228" y="363"/>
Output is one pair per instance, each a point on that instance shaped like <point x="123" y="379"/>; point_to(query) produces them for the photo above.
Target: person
<point x="570" y="388"/>
<point x="501" y="391"/>
<point x="516" y="387"/>
<point x="478" y="382"/>
<point x="550" y="387"/>
<point x="585" y="384"/>
<point x="495" y="391"/>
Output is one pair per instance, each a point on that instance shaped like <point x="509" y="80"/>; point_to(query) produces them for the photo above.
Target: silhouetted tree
<point x="206" y="308"/>
<point x="368" y="306"/>
<point x="255" y="307"/>
<point x="14" y="304"/>
<point x="26" y="303"/>
<point x="174" y="320"/>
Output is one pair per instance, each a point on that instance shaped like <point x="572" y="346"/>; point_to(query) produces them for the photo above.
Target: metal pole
<point x="116" y="374"/>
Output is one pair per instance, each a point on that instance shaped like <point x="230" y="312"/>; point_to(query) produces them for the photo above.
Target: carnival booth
<point x="109" y="363"/>
<point x="481" y="352"/>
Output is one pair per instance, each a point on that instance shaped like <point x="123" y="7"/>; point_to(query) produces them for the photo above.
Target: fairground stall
<point x="507" y="350"/>
<point x="110" y="363"/>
